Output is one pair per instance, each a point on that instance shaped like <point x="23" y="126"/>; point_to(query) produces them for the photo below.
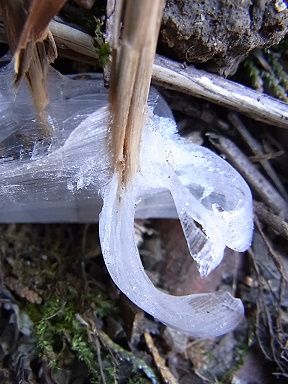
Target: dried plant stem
<point x="216" y="89"/>
<point x="132" y="61"/>
<point x="31" y="58"/>
<point x="159" y="361"/>
<point x="172" y="75"/>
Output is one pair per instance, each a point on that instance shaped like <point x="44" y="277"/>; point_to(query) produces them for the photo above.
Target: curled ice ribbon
<point x="214" y="206"/>
<point x="175" y="179"/>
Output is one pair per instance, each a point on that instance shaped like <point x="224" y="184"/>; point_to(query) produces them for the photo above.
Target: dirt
<point x="219" y="34"/>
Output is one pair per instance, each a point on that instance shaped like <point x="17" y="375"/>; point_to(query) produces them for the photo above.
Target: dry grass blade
<point x="132" y="60"/>
<point x="26" y="37"/>
<point x="36" y="26"/>
<point x="35" y="30"/>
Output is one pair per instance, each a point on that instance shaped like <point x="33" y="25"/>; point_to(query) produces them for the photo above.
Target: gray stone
<point x="219" y="34"/>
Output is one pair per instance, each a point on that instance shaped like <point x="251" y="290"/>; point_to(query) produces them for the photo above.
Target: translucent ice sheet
<point x="68" y="177"/>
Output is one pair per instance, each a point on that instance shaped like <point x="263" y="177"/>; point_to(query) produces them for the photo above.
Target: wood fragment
<point x="252" y="175"/>
<point x="132" y="60"/>
<point x="167" y="376"/>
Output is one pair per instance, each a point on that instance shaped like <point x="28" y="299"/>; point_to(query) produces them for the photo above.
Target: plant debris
<point x="62" y="320"/>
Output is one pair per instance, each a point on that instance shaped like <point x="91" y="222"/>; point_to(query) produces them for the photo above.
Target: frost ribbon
<point x="61" y="181"/>
<point x="205" y="190"/>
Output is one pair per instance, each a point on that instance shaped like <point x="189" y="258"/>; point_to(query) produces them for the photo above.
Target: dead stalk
<point x="132" y="60"/>
<point x="188" y="80"/>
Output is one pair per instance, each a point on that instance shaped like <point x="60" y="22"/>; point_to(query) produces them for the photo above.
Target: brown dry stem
<point x="30" y="51"/>
<point x="188" y="80"/>
<point x="132" y="60"/>
<point x="33" y="47"/>
<point x="159" y="361"/>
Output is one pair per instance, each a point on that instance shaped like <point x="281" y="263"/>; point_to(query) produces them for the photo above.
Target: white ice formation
<point x="67" y="178"/>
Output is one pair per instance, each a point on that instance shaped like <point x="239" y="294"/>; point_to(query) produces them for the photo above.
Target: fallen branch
<point x="188" y="80"/>
<point x="192" y="81"/>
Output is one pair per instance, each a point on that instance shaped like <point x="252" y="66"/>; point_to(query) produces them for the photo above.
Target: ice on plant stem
<point x="69" y="177"/>
<point x="205" y="190"/>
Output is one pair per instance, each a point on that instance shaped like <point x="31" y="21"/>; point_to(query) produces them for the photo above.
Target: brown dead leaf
<point x="23" y="291"/>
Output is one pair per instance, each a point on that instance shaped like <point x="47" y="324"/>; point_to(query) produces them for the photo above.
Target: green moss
<point x="254" y="74"/>
<point x="239" y="355"/>
<point x="59" y="332"/>
<point x="72" y="304"/>
<point x="62" y="334"/>
<point x="94" y="26"/>
<point x="267" y="70"/>
<point x="102" y="48"/>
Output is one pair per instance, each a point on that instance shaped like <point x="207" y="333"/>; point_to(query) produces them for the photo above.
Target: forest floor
<point x="62" y="319"/>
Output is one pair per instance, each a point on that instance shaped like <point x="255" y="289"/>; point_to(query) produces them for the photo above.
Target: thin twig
<point x="258" y="152"/>
<point x="252" y="175"/>
<point x="274" y="221"/>
<point x="159" y="361"/>
<point x="189" y="80"/>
